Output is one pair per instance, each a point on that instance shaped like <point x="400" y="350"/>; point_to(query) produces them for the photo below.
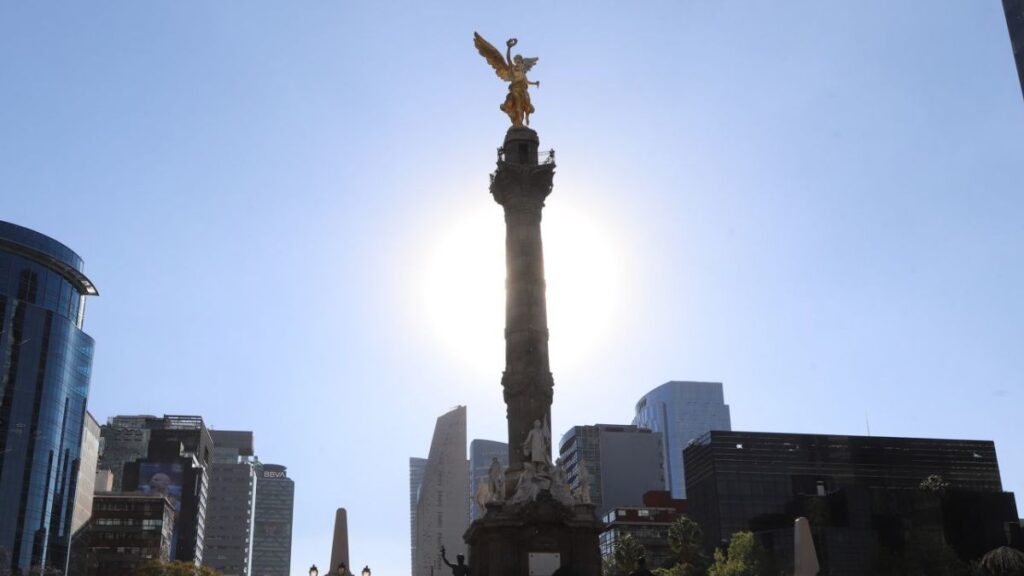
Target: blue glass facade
<point x="45" y="364"/>
<point x="682" y="411"/>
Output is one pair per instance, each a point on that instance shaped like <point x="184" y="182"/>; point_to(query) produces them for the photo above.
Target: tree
<point x="686" y="540"/>
<point x="623" y="560"/>
<point x="155" y="568"/>
<point x="745" y="558"/>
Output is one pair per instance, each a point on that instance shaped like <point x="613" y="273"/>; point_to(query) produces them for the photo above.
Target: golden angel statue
<point x="513" y="70"/>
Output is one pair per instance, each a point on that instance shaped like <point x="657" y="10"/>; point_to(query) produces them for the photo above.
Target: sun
<point x="464" y="286"/>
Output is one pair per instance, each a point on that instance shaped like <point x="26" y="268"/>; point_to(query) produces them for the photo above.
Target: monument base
<point x="537" y="538"/>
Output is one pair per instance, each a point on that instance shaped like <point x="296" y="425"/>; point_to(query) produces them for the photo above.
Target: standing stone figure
<point x="537" y="446"/>
<point x="560" y="489"/>
<point x="496" y="481"/>
<point x="482" y="497"/>
<point x="583" y="491"/>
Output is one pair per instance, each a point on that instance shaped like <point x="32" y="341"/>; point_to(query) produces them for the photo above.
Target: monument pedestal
<point x="542" y="534"/>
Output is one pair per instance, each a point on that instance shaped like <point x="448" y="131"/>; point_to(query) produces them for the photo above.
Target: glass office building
<point x="45" y="363"/>
<point x="1015" y="22"/>
<point x="272" y="525"/>
<point x="682" y="411"/>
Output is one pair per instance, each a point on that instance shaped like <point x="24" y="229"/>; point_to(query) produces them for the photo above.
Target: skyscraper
<point x="272" y="530"/>
<point x="682" y="411"/>
<point x="481" y="454"/>
<point x="441" y="513"/>
<point x="229" y="516"/>
<point x="45" y="363"/>
<point x="171" y="469"/>
<point x="416" y="468"/>
<point x="868" y="497"/>
<point x="623" y="462"/>
<point x="170" y="455"/>
<point x="1015" y="22"/>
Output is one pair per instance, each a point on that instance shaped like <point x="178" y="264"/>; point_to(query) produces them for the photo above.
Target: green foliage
<point x="686" y="539"/>
<point x="924" y="558"/>
<point x="623" y="560"/>
<point x="1002" y="561"/>
<point x="745" y="558"/>
<point x="155" y="568"/>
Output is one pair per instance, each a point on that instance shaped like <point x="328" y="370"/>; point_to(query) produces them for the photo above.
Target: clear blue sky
<point x="817" y="203"/>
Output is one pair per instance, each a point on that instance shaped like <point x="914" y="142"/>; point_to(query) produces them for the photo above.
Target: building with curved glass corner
<point x="45" y="363"/>
<point x="682" y="411"/>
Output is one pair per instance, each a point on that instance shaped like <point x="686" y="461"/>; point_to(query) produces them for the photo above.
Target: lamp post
<point x="366" y="571"/>
<point x="313" y="571"/>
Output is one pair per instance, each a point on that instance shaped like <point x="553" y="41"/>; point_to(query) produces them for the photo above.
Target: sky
<point x="285" y="208"/>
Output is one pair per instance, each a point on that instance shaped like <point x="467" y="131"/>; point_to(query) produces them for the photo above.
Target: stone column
<point x="520" y="184"/>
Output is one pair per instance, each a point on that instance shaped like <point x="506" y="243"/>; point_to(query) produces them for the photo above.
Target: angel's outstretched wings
<point x="528" y="63"/>
<point x="494" y="57"/>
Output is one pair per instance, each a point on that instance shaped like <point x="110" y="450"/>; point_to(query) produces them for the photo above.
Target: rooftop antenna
<point x="867" y="423"/>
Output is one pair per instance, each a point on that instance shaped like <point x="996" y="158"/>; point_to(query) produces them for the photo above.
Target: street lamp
<point x="366" y="571"/>
<point x="313" y="571"/>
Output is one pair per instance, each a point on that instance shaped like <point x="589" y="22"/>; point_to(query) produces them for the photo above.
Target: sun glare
<point x="465" y="277"/>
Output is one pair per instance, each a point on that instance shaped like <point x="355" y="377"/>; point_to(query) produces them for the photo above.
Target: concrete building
<point x="1015" y="23"/>
<point x="272" y="530"/>
<point x="125" y="439"/>
<point x="623" y="462"/>
<point x="481" y="453"/>
<point x="127" y="531"/>
<point x="865" y="496"/>
<point x="339" y="545"/>
<point x="416" y="468"/>
<point x="46" y="360"/>
<point x="648" y="525"/>
<point x="441" y="511"/>
<point x="231" y="510"/>
<point x="177" y="453"/>
<point x="682" y="411"/>
<point x="86" y="484"/>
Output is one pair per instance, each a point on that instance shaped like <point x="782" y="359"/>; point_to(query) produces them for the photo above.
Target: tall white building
<point x="682" y="411"/>
<point x="441" y="508"/>
<point x="416" y="467"/>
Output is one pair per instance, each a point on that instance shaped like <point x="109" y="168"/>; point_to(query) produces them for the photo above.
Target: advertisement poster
<point x="162" y="478"/>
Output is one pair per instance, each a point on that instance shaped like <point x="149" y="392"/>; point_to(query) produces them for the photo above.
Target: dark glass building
<point x="45" y="363"/>
<point x="867" y="499"/>
<point x="177" y="464"/>
<point x="272" y="532"/>
<point x="1015" y="22"/>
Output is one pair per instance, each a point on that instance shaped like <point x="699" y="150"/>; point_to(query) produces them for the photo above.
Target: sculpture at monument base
<point x="583" y="489"/>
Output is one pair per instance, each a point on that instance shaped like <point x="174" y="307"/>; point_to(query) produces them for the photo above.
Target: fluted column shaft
<point x="520" y="185"/>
